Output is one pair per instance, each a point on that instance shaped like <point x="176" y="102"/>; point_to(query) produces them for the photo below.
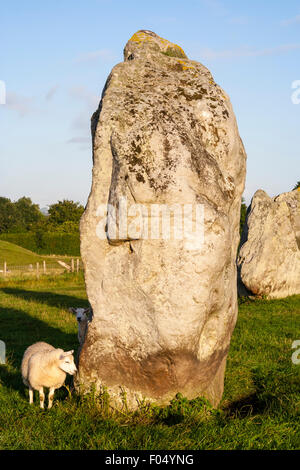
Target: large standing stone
<point x="269" y="257"/>
<point x="164" y="310"/>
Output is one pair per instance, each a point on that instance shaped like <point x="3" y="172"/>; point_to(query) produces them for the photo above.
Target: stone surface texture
<point x="269" y="257"/>
<point x="164" y="133"/>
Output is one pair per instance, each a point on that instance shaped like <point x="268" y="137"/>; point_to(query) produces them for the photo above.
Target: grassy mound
<point x="16" y="255"/>
<point x="46" y="243"/>
<point x="19" y="259"/>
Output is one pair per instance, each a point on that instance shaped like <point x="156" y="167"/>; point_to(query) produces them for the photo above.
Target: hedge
<point x="46" y="243"/>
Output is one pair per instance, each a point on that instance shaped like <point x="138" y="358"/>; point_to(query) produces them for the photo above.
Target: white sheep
<point x="45" y="366"/>
<point x="83" y="317"/>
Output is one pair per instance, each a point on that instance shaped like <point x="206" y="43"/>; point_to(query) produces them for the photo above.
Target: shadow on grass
<point x="49" y="298"/>
<point x="18" y="331"/>
<point x="11" y="378"/>
<point x="249" y="405"/>
<point x="263" y="400"/>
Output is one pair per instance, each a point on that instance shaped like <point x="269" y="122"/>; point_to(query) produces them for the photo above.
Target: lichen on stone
<point x="175" y="51"/>
<point x="145" y="39"/>
<point x="164" y="307"/>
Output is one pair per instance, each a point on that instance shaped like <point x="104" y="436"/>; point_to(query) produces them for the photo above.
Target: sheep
<point x="83" y="317"/>
<point x="45" y="366"/>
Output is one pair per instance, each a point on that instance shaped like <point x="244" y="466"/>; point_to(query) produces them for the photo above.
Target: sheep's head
<point x="82" y="314"/>
<point x="66" y="362"/>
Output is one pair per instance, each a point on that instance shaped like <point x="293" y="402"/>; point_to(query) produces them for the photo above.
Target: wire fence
<point x="41" y="268"/>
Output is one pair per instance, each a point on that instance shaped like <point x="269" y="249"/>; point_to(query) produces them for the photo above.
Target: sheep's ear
<point x="65" y="354"/>
<point x="69" y="353"/>
<point x="89" y="313"/>
<point x="72" y="310"/>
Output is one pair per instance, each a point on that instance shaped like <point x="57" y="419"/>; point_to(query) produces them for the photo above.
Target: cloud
<point x="82" y="121"/>
<point x="21" y="104"/>
<point x="84" y="143"/>
<point x="92" y="56"/>
<point x="51" y="92"/>
<point x="294" y="20"/>
<point x="79" y="140"/>
<point x="210" y="54"/>
<point x="85" y="95"/>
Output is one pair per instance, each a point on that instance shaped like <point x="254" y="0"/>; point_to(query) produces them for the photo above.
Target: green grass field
<point x="260" y="408"/>
<point x="18" y="256"/>
<point x="21" y="262"/>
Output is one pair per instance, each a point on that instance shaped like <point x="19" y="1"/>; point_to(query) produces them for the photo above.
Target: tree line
<point x="24" y="216"/>
<point x="56" y="232"/>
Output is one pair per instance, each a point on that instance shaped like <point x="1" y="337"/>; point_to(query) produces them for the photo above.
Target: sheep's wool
<point x="165" y="304"/>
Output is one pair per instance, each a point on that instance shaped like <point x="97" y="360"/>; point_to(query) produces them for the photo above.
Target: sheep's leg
<point x="42" y="397"/>
<point x="30" y="395"/>
<point x="50" y="397"/>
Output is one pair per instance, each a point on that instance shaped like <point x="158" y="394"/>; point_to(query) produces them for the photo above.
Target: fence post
<point x="5" y="268"/>
<point x="44" y="267"/>
<point x="77" y="265"/>
<point x="72" y="265"/>
<point x="37" y="270"/>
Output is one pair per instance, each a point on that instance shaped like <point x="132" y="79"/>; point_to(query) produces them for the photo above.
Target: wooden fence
<point x="53" y="267"/>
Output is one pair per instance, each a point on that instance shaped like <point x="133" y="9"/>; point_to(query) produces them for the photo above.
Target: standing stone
<point x="269" y="257"/>
<point x="164" y="309"/>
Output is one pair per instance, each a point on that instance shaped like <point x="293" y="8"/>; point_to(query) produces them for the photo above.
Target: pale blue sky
<point x="55" y="57"/>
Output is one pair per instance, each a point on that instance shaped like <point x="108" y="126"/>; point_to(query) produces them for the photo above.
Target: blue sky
<point x="55" y="57"/>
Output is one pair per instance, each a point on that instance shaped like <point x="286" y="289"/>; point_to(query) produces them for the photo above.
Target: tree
<point x="243" y="214"/>
<point x="65" y="211"/>
<point x="297" y="186"/>
<point x="29" y="214"/>
<point x="19" y="216"/>
<point x="8" y="215"/>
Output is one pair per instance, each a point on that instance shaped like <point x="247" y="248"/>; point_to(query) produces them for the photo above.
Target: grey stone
<point x="269" y="256"/>
<point x="164" y="133"/>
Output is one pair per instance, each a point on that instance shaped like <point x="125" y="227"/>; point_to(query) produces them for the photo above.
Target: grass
<point x="260" y="408"/>
<point x="22" y="263"/>
<point x="16" y="255"/>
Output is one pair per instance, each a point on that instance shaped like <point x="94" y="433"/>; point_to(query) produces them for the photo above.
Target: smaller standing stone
<point x="269" y="257"/>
